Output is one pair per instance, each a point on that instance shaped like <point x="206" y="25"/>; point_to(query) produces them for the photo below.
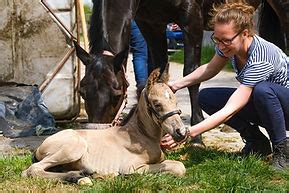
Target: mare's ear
<point x="85" y="57"/>
<point x="153" y="78"/>
<point x="164" y="74"/>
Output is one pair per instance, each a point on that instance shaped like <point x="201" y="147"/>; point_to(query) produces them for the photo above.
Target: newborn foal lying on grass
<point x="71" y="155"/>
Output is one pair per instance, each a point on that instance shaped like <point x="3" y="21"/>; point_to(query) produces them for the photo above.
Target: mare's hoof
<point x="196" y="142"/>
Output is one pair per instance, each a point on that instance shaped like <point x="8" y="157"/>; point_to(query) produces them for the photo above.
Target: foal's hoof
<point x="85" y="181"/>
<point x="24" y="174"/>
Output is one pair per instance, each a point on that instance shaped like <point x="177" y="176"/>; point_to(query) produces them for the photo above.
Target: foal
<point x="132" y="148"/>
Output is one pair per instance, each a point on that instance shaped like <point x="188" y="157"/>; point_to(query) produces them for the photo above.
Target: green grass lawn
<point x="206" y="55"/>
<point x="208" y="170"/>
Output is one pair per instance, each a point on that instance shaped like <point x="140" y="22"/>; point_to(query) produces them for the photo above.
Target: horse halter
<point x="153" y="111"/>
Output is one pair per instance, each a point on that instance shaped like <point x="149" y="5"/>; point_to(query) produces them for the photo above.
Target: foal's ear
<point x="153" y="78"/>
<point x="164" y="74"/>
<point x="85" y="57"/>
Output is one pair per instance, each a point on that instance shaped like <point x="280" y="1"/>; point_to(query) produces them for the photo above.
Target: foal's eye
<point x="158" y="106"/>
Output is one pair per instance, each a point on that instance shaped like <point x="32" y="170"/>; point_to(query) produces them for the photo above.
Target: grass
<point x="208" y="170"/>
<point x="206" y="55"/>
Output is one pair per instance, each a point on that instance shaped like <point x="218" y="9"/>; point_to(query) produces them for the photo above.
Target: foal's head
<point x="161" y="104"/>
<point x="99" y="87"/>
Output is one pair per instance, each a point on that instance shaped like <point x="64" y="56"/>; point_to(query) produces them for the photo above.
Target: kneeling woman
<point x="262" y="97"/>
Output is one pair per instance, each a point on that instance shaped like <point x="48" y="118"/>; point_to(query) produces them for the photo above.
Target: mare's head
<point x="161" y="105"/>
<point x="99" y="87"/>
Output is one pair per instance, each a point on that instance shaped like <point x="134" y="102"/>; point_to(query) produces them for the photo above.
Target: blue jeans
<point x="268" y="107"/>
<point x="139" y="51"/>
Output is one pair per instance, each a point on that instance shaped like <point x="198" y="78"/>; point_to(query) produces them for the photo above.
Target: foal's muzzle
<point x="180" y="136"/>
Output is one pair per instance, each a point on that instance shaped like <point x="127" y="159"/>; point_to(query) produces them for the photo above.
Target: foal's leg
<point x="167" y="166"/>
<point x="39" y="169"/>
<point x="70" y="152"/>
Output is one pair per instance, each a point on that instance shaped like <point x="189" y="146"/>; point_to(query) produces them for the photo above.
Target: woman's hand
<point x="172" y="86"/>
<point x="167" y="142"/>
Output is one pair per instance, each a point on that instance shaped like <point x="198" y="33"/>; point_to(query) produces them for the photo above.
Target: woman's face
<point x="228" y="40"/>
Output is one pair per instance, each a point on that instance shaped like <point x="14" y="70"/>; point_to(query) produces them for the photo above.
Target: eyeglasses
<point x="227" y="42"/>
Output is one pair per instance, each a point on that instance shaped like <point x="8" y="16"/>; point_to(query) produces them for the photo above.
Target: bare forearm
<point x="199" y="75"/>
<point x="235" y="103"/>
<point x="210" y="122"/>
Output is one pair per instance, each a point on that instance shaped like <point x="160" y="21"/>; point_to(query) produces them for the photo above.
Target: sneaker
<point x="279" y="157"/>
<point x="287" y="151"/>
<point x="255" y="142"/>
<point x="258" y="146"/>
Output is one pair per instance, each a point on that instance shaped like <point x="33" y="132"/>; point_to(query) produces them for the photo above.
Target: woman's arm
<point x="235" y="103"/>
<point x="202" y="73"/>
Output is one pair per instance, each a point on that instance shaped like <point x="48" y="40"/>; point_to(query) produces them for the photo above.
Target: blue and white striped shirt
<point x="266" y="62"/>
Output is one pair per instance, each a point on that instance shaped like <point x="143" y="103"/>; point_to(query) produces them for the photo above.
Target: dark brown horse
<point x="110" y="31"/>
<point x="274" y="22"/>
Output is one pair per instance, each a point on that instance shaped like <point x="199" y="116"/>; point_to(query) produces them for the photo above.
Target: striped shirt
<point x="266" y="62"/>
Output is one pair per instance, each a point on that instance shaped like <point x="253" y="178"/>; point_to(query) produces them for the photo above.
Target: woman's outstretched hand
<point x="167" y="142"/>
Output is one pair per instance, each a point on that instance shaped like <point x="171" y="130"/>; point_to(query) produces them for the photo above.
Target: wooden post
<point x="83" y="24"/>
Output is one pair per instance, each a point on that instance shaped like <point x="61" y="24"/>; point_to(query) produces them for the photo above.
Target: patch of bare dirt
<point x="19" y="145"/>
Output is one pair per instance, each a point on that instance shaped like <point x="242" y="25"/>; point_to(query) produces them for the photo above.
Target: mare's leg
<point x="58" y="150"/>
<point x="167" y="166"/>
<point x="270" y="27"/>
<point x="193" y="35"/>
<point x="155" y="37"/>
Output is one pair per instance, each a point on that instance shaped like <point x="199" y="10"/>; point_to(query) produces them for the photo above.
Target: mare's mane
<point x="97" y="41"/>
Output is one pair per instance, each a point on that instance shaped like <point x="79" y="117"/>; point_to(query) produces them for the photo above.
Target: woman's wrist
<point x="172" y="86"/>
<point x="192" y="132"/>
<point x="175" y="86"/>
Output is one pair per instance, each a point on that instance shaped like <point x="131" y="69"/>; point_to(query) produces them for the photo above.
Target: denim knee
<point x="208" y="101"/>
<point x="203" y="98"/>
<point x="213" y="99"/>
<point x="261" y="91"/>
<point x="270" y="103"/>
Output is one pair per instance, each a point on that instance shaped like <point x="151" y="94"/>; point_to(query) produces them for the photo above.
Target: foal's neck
<point x="144" y="122"/>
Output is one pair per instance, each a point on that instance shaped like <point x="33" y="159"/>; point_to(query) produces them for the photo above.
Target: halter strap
<point x="153" y="111"/>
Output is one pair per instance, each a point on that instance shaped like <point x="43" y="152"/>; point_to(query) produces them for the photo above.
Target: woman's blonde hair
<point x="237" y="11"/>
